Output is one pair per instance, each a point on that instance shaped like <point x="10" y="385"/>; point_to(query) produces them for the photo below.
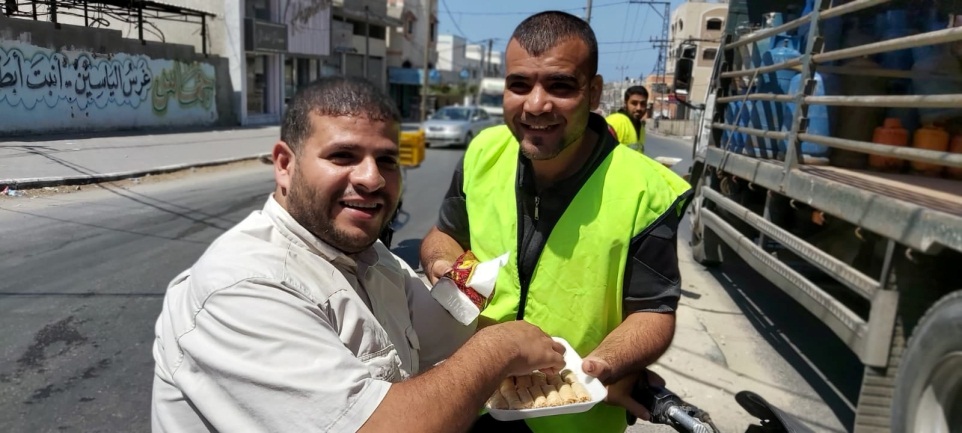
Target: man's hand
<point x="619" y="392"/>
<point x="528" y="347"/>
<point x="438" y="269"/>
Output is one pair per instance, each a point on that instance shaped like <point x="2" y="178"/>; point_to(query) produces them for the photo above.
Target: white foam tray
<point x="573" y="362"/>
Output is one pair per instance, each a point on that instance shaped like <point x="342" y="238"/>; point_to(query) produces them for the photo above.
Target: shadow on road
<point x="215" y="221"/>
<point x="820" y="357"/>
<point x="408" y="250"/>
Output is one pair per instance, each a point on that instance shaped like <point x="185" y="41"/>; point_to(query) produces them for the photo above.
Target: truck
<point x="827" y="157"/>
<point x="491" y="96"/>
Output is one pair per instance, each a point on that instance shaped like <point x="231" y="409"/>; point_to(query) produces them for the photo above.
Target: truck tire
<point x="928" y="391"/>
<point x="704" y="243"/>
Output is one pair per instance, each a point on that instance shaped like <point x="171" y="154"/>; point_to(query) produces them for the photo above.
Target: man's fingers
<point x="636" y="409"/>
<point x="558" y="347"/>
<point x="439" y="268"/>
<point x="597" y="368"/>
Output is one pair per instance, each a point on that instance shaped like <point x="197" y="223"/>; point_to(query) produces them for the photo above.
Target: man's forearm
<point x="444" y="399"/>
<point x="638" y="342"/>
<point x="438" y="252"/>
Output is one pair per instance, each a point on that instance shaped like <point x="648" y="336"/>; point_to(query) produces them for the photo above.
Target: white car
<point x="456" y="125"/>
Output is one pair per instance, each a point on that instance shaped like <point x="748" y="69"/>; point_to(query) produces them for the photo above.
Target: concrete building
<point x="406" y="61"/>
<point x="481" y="65"/>
<point x="453" y="63"/>
<point x="698" y="23"/>
<point x="275" y="47"/>
<point x="226" y="61"/>
<point x="359" y="41"/>
<point x="89" y="66"/>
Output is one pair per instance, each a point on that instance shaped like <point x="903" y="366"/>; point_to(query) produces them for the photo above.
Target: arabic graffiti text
<point x="188" y="84"/>
<point x="44" y="89"/>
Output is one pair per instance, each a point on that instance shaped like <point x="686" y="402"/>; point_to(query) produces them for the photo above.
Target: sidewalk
<point x="58" y="160"/>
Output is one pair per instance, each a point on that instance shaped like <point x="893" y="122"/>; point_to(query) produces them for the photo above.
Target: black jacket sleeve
<point x="652" y="278"/>
<point x="453" y="216"/>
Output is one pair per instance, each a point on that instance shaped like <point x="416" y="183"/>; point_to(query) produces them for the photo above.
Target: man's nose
<point x="367" y="176"/>
<point x="537" y="101"/>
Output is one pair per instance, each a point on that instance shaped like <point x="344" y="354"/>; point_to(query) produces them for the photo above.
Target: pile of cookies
<point x="538" y="390"/>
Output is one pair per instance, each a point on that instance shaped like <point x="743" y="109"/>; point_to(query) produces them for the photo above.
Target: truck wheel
<point x="928" y="392"/>
<point x="704" y="243"/>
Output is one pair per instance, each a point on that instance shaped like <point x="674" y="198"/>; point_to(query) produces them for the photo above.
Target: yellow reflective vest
<point x="576" y="288"/>
<point x="625" y="131"/>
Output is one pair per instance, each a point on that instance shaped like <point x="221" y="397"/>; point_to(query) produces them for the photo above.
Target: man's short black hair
<point x="334" y="97"/>
<point x="636" y="90"/>
<point x="545" y="30"/>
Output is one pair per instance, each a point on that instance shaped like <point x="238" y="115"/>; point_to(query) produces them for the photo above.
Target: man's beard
<point x="316" y="218"/>
<point x="545" y="152"/>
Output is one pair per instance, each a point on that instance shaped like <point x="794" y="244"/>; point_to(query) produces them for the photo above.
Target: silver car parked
<point x="456" y="125"/>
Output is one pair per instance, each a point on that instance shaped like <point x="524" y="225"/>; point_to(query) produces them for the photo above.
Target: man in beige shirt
<point x="297" y="319"/>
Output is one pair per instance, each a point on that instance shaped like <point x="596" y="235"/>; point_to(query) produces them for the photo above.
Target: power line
<point x="628" y="51"/>
<point x="534" y="12"/>
<point x="453" y="21"/>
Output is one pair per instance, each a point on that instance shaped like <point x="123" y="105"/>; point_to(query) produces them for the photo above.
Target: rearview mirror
<point x="684" y="67"/>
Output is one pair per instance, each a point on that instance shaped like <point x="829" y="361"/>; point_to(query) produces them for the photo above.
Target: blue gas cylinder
<point x="830" y="30"/>
<point x="764" y="117"/>
<point x="930" y="21"/>
<point x="818" y="120"/>
<point x="783" y="50"/>
<point x="743" y="120"/>
<point x="727" y="139"/>
<point x="892" y="24"/>
<point x="768" y="115"/>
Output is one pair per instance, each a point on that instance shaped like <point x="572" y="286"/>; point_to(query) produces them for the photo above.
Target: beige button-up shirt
<point x="274" y="330"/>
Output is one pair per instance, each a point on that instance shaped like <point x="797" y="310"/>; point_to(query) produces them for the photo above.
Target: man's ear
<point x="595" y="89"/>
<point x="284" y="164"/>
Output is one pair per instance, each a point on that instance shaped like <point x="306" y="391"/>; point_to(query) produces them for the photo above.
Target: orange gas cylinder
<point x="892" y="133"/>
<point x="955" y="147"/>
<point x="932" y="138"/>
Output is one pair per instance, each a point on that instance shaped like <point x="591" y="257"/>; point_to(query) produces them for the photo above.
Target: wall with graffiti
<point x="50" y="90"/>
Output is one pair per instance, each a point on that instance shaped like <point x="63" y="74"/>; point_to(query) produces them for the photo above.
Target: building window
<point x="378" y="32"/>
<point x="434" y="31"/>
<point x="257" y="89"/>
<point x="709" y="54"/>
<point x="681" y="25"/>
<point x="410" y="27"/>
<point x="714" y="24"/>
<point x="259" y="9"/>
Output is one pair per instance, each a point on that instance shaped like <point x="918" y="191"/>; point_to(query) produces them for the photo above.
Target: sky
<point x="623" y="29"/>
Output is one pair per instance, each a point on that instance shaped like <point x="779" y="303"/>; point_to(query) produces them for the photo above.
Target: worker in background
<point x="628" y="122"/>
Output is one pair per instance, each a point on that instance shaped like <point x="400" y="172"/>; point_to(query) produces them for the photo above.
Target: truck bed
<point x="920" y="212"/>
<point x="944" y="195"/>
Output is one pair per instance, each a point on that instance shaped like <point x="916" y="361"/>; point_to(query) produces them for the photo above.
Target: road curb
<point x="40" y="182"/>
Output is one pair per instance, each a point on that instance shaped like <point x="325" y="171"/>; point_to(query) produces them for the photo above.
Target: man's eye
<point x="562" y="88"/>
<point x="341" y="157"/>
<point x="519" y="87"/>
<point x="388" y="162"/>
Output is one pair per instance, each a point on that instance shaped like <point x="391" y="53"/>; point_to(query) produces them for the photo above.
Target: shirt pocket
<point x="384" y="364"/>
<point x="415" y="344"/>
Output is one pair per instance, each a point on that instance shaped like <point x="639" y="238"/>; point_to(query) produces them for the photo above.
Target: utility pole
<point x="588" y="12"/>
<point x="367" y="40"/>
<point x="662" y="45"/>
<point x="621" y="81"/>
<point x="427" y="58"/>
<point x="487" y="66"/>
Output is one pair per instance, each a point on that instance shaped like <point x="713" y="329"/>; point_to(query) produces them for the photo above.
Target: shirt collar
<point x="298" y="234"/>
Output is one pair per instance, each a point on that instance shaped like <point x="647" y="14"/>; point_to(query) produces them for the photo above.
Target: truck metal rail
<point x="910" y="225"/>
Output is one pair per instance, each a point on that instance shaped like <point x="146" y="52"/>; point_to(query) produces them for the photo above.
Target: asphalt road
<point x="83" y="276"/>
